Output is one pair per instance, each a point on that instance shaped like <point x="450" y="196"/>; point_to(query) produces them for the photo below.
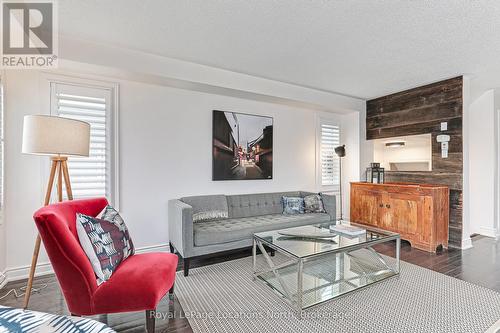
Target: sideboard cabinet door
<point x="365" y="208"/>
<point x="402" y="213"/>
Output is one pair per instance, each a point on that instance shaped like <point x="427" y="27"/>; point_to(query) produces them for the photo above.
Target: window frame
<point x="112" y="118"/>
<point x="325" y="120"/>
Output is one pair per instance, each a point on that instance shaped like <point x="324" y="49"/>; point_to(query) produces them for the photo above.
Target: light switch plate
<point x="444" y="126"/>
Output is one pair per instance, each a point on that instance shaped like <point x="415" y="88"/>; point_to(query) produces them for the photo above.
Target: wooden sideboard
<point x="418" y="212"/>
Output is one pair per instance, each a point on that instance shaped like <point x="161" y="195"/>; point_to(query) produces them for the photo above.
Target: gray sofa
<point x="246" y="215"/>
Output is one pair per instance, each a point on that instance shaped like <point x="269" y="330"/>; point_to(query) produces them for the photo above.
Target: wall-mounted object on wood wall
<point x="443" y="139"/>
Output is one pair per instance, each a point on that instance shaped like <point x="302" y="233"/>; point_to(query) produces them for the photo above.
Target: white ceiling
<point x="359" y="48"/>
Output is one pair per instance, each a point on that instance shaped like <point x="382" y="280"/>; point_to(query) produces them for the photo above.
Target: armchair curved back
<point x="57" y="227"/>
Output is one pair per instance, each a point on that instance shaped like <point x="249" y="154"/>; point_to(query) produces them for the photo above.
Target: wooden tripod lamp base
<point x="59" y="167"/>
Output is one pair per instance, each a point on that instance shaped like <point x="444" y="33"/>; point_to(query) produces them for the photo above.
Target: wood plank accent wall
<point x="419" y="111"/>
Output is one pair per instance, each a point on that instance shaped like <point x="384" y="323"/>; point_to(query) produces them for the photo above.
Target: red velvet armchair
<point x="138" y="284"/>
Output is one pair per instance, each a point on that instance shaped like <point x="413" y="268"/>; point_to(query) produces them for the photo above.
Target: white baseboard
<point x="489" y="232"/>
<point x="22" y="272"/>
<point x="153" y="248"/>
<point x="466" y="243"/>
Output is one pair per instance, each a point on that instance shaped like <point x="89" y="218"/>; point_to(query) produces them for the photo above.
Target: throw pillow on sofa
<point x="293" y="205"/>
<point x="106" y="243"/>
<point x="313" y="204"/>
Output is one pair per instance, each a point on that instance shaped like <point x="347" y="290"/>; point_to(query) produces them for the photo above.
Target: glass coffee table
<point x="311" y="271"/>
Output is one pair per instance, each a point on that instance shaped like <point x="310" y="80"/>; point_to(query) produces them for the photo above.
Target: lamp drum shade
<point x="49" y="135"/>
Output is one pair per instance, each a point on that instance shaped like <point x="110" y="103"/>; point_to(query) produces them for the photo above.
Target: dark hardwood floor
<point x="479" y="265"/>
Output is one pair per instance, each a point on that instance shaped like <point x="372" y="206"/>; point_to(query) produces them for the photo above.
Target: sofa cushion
<point x="247" y="205"/>
<point x="208" y="207"/>
<point x="140" y="282"/>
<point x="231" y="230"/>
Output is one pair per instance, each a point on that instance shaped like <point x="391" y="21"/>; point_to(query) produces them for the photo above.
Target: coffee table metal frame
<point x="295" y="300"/>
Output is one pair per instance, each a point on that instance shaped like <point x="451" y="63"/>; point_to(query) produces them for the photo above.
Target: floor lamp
<point x="58" y="138"/>
<point x="340" y="151"/>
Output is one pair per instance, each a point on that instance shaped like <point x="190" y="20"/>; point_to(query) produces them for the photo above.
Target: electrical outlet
<point x="444" y="126"/>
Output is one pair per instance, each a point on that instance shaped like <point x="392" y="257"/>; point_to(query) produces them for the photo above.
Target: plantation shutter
<point x="330" y="163"/>
<point x="90" y="176"/>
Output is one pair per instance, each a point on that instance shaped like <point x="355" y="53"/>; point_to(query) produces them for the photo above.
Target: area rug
<point x="224" y="298"/>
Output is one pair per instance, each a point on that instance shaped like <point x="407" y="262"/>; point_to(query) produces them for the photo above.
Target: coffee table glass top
<point x="309" y="271"/>
<point x="306" y="247"/>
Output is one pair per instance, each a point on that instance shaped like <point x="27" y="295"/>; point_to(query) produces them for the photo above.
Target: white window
<point x="96" y="175"/>
<point x="329" y="162"/>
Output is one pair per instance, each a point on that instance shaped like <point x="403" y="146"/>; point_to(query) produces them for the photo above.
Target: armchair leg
<point x="172" y="249"/>
<point x="150" y="321"/>
<point x="186" y="266"/>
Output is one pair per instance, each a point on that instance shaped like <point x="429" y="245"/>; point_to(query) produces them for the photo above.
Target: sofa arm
<point x="330" y="204"/>
<point x="180" y="226"/>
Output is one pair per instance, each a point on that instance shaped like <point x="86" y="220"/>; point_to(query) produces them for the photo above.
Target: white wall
<point x="366" y="147"/>
<point x="350" y="126"/>
<point x="23" y="174"/>
<point x="482" y="164"/>
<point x="165" y="152"/>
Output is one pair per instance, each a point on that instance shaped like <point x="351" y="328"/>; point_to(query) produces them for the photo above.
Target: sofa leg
<point x="150" y="321"/>
<point x="172" y="249"/>
<point x="273" y="252"/>
<point x="186" y="266"/>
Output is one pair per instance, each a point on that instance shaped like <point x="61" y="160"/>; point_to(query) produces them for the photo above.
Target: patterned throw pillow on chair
<point x="314" y="204"/>
<point x="105" y="242"/>
<point x="110" y="214"/>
